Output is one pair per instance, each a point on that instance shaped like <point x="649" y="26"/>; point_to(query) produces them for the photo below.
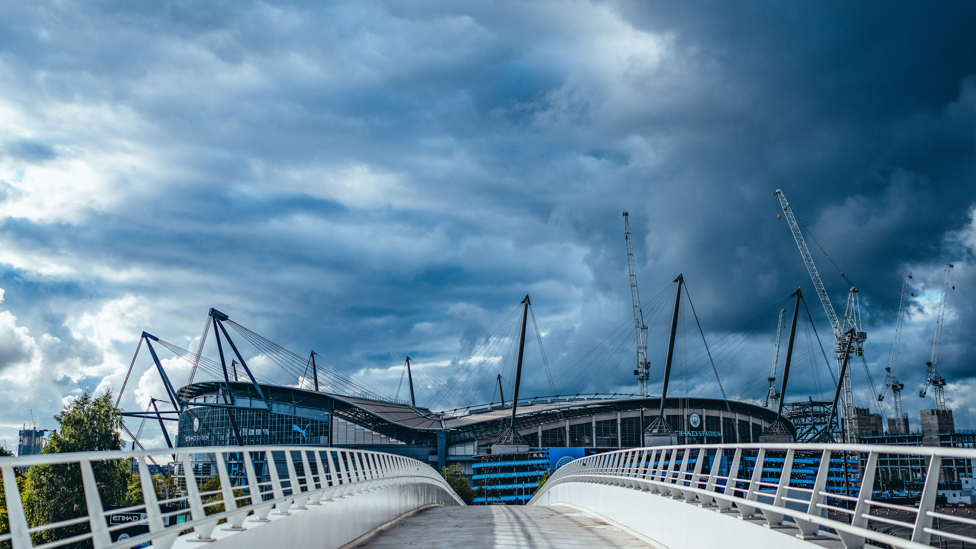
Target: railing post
<point x="713" y="473"/>
<point x="860" y="519"/>
<point x="926" y="504"/>
<point x="752" y="494"/>
<point x="153" y="516"/>
<point x="261" y="509"/>
<point x="342" y="457"/>
<point x="669" y="473"/>
<point x="809" y="529"/>
<point x="325" y="478"/>
<point x="198" y="513"/>
<point x="15" y="510"/>
<point x="772" y="517"/>
<point x="227" y="492"/>
<point x="297" y="497"/>
<point x="699" y="464"/>
<point x="725" y="504"/>
<point x="278" y="489"/>
<point x="312" y="481"/>
<point x="96" y="514"/>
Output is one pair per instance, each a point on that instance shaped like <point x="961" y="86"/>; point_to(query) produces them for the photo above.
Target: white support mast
<point x="933" y="378"/>
<point x="852" y="319"/>
<point x="772" y="395"/>
<point x="643" y="366"/>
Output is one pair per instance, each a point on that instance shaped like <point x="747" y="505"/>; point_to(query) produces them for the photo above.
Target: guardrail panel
<point x="819" y="488"/>
<point x="306" y="477"/>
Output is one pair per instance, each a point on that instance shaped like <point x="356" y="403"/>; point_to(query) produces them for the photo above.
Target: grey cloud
<point x="373" y="180"/>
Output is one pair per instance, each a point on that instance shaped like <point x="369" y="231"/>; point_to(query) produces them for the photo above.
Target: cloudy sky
<point x="372" y="180"/>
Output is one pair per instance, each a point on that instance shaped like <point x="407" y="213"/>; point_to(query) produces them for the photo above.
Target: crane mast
<point x="900" y="424"/>
<point x="643" y="366"/>
<point x="851" y="321"/>
<point x="933" y="378"/>
<point x="772" y="395"/>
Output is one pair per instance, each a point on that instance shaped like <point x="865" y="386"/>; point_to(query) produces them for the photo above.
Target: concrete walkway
<point x="501" y="526"/>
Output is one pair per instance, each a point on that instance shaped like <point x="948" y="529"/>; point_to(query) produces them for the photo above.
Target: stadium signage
<point x="698" y="433"/>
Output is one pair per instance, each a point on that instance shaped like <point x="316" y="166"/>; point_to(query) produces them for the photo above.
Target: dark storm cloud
<point x="373" y="180"/>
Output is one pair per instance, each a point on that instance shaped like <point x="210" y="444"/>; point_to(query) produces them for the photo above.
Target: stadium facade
<point x="292" y="416"/>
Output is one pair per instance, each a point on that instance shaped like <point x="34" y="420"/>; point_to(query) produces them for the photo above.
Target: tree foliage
<point x="541" y="482"/>
<point x="454" y="475"/>
<point x="212" y="484"/>
<point x="4" y="522"/>
<point x="55" y="493"/>
<point x="164" y="486"/>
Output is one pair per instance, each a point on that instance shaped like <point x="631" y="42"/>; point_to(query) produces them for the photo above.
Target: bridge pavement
<point x="501" y="526"/>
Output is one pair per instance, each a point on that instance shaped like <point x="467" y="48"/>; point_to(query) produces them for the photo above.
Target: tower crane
<point x="901" y="419"/>
<point x="932" y="375"/>
<point x="851" y="321"/>
<point x="772" y="395"/>
<point x="643" y="366"/>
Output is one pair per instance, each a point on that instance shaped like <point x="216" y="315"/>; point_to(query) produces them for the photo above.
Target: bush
<point x="454" y="476"/>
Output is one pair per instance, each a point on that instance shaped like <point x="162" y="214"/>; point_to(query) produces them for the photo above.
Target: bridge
<point x="736" y="495"/>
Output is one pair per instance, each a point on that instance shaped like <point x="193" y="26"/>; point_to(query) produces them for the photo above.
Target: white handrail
<point x="768" y="483"/>
<point x="311" y="476"/>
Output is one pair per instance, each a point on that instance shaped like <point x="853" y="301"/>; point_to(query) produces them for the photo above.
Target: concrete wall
<point x="670" y="523"/>
<point x="330" y="525"/>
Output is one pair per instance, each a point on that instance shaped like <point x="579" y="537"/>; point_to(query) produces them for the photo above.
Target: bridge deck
<point x="501" y="527"/>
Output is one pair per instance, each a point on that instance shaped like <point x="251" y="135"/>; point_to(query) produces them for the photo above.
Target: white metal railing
<point x="307" y="476"/>
<point x="808" y="485"/>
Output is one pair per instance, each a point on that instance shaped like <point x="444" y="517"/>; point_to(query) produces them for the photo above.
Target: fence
<point x="816" y="488"/>
<point x="254" y="482"/>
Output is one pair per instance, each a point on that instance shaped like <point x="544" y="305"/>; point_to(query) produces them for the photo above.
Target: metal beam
<point x="518" y="367"/>
<point x="674" y="327"/>
<point x="159" y="366"/>
<point x="789" y="354"/>
<point x="413" y="400"/>
<point x="152" y="401"/>
<point x="240" y="358"/>
<point x="229" y="396"/>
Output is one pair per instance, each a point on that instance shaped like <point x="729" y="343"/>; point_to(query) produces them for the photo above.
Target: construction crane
<point x="851" y="321"/>
<point x="901" y="420"/>
<point x="643" y="366"/>
<point x="772" y="395"/>
<point x="932" y="375"/>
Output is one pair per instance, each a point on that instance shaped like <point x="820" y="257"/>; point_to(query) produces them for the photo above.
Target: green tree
<point x="4" y="523"/>
<point x="454" y="476"/>
<point x="542" y="481"/>
<point x="212" y="484"/>
<point x="54" y="493"/>
<point x="164" y="486"/>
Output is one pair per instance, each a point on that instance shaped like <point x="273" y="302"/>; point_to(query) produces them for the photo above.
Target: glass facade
<point x="210" y="426"/>
<point x="631" y="434"/>
<point x="606" y="433"/>
<point x="581" y="435"/>
<point x="554" y="438"/>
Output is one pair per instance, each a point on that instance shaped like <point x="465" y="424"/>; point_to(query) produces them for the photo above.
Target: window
<point x="580" y="435"/>
<point x="554" y="438"/>
<point x="630" y="432"/>
<point x="606" y="433"/>
<point x="728" y="430"/>
<point x="713" y="424"/>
